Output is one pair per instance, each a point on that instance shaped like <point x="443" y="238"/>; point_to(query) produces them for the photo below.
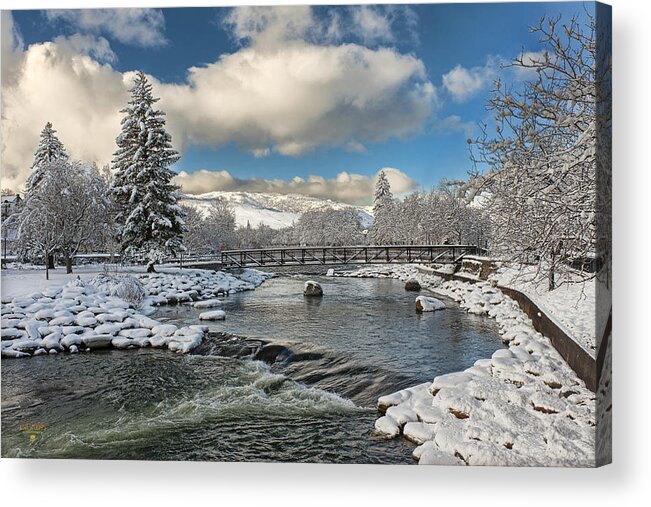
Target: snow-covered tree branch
<point x="63" y="212"/>
<point x="539" y="165"/>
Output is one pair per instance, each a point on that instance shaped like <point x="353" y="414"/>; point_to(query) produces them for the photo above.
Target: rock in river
<point x="412" y="285"/>
<point x="312" y="289"/>
<point x="213" y="315"/>
<point x="426" y="304"/>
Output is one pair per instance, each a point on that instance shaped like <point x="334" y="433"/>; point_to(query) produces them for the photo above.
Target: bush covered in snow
<point x="126" y="287"/>
<point x="130" y="289"/>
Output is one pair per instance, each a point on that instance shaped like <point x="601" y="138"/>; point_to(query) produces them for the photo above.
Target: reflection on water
<point x="314" y="403"/>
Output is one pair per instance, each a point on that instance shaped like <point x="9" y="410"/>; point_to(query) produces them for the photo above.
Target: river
<point x="283" y="378"/>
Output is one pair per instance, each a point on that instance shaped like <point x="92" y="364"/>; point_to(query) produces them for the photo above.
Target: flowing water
<point x="284" y="378"/>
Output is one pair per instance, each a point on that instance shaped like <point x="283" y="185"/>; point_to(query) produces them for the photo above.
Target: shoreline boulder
<point x="312" y="289"/>
<point x="412" y="285"/>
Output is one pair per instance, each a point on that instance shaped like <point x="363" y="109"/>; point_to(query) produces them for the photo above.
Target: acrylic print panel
<point x="347" y="234"/>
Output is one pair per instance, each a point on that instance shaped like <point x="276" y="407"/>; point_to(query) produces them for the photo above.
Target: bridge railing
<point x="367" y="254"/>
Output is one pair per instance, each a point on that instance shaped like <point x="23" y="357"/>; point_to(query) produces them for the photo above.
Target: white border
<point x="100" y="483"/>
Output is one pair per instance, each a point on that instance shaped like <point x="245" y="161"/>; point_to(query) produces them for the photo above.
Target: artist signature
<point x="33" y="430"/>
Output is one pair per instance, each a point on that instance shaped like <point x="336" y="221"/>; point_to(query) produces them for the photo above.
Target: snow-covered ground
<point x="524" y="406"/>
<point x="21" y="280"/>
<point x="100" y="310"/>
<point x="572" y="305"/>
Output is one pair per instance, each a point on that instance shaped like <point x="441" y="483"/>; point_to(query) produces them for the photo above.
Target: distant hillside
<point x="275" y="210"/>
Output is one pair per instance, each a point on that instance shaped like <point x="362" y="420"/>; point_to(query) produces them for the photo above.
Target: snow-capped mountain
<point x="275" y="210"/>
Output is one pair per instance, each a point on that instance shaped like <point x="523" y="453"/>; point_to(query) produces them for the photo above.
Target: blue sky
<point x="430" y="143"/>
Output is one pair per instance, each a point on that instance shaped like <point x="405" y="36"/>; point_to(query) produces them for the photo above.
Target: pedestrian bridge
<point x="335" y="255"/>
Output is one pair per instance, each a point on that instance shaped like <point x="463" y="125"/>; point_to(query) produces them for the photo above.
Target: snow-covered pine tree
<point x="382" y="191"/>
<point x="151" y="220"/>
<point x="49" y="149"/>
<point x="383" y="208"/>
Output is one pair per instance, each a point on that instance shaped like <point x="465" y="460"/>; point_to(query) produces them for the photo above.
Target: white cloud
<point x="382" y="24"/>
<point x="300" y="96"/>
<point x="355" y="147"/>
<point x="270" y="26"/>
<point x="12" y="47"/>
<point x="463" y="83"/>
<point x="373" y="24"/>
<point x="344" y="187"/>
<point x="96" y="47"/>
<point x="143" y="27"/>
<point x="453" y="123"/>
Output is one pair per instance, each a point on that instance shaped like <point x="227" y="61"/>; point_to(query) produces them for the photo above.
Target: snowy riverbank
<point x="523" y="406"/>
<point x="108" y="310"/>
<point x="571" y="305"/>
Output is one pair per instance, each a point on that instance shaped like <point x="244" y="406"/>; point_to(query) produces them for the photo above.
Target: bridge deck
<point x="375" y="254"/>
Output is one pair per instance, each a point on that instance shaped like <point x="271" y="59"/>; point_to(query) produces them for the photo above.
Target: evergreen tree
<point x="383" y="209"/>
<point x="382" y="192"/>
<point x="151" y="220"/>
<point x="49" y="149"/>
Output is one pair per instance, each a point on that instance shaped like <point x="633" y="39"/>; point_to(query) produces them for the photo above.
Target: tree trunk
<point x="68" y="260"/>
<point x="150" y="267"/>
<point x="47" y="268"/>
<point x="50" y="261"/>
<point x="550" y="275"/>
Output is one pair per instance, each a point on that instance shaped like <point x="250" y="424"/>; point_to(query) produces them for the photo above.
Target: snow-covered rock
<point x="108" y="329"/>
<point x="208" y="303"/>
<point x="164" y="329"/>
<point x="387" y="427"/>
<point x="9" y="352"/>
<point x="428" y="304"/>
<point x="71" y="340"/>
<point x="97" y="341"/>
<point x="136" y="333"/>
<point x="122" y="342"/>
<point x="52" y="341"/>
<point x="213" y="315"/>
<point x="105" y="318"/>
<point x="11" y="333"/>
